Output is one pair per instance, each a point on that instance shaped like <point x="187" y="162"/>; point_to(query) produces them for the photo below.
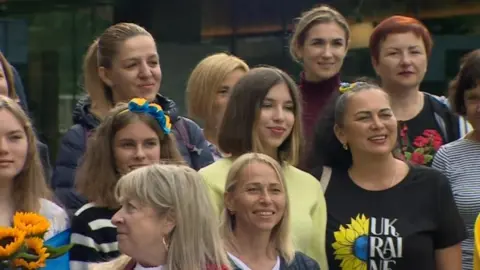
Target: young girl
<point x="130" y="137"/>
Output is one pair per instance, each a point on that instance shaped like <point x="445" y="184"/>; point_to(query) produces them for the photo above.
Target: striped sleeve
<point x="440" y="160"/>
<point x="93" y="236"/>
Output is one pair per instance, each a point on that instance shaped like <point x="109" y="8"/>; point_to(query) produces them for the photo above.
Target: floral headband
<point x="141" y="105"/>
<point x="347" y="87"/>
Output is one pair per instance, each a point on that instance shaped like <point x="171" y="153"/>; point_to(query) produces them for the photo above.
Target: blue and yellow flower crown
<point x="347" y="87"/>
<point x="141" y="105"/>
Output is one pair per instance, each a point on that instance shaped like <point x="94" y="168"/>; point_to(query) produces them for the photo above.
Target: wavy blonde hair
<point x="206" y="79"/>
<point x="179" y="190"/>
<point x="29" y="186"/>
<point x="281" y="233"/>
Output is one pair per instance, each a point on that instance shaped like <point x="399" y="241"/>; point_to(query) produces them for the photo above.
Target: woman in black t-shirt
<point x="382" y="212"/>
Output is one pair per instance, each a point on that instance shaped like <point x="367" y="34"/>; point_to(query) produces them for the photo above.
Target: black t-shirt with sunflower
<point x="396" y="229"/>
<point x="420" y="137"/>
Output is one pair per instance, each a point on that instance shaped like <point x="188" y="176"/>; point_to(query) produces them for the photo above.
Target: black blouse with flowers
<point x="420" y="137"/>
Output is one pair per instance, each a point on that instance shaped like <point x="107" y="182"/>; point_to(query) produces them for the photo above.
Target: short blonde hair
<point x="317" y="15"/>
<point x="181" y="191"/>
<point x="281" y="235"/>
<point x="206" y="79"/>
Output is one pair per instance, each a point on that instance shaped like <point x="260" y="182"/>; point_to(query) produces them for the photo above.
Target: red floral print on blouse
<point x="422" y="149"/>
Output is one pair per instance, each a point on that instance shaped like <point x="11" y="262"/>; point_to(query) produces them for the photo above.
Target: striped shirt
<point x="94" y="236"/>
<point x="460" y="162"/>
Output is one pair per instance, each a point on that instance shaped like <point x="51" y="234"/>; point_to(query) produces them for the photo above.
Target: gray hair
<point x="347" y="90"/>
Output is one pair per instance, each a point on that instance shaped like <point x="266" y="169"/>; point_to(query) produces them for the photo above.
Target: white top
<point x="57" y="217"/>
<point x="243" y="266"/>
<point x="139" y="267"/>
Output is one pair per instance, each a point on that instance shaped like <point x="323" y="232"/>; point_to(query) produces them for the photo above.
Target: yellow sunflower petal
<point x="15" y="238"/>
<point x="344" y="251"/>
<point x="359" y="227"/>
<point x="34" y="244"/>
<point x="32" y="224"/>
<point x="347" y="263"/>
<point x="345" y="239"/>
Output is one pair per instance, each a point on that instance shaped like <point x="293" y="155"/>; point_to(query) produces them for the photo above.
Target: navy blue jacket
<point x="300" y="262"/>
<point x="191" y="143"/>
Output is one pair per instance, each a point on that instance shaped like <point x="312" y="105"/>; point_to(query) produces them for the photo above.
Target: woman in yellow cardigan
<point x="263" y="116"/>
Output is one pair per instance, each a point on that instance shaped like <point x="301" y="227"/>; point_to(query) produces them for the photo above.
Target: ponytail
<point x="93" y="84"/>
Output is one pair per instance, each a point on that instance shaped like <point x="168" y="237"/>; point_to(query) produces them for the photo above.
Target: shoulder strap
<point x="447" y="121"/>
<point x="325" y="179"/>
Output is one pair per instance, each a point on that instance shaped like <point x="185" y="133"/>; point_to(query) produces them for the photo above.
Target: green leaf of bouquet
<point x="428" y="158"/>
<point x="408" y="155"/>
<point x="56" y="252"/>
<point x="27" y="256"/>
<point x="419" y="150"/>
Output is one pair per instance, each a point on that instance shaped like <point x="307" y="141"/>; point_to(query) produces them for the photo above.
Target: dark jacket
<point x="190" y="139"/>
<point x="41" y="147"/>
<point x="300" y="262"/>
<point x="446" y="120"/>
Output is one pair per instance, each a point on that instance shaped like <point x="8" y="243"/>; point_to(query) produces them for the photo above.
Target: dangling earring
<point x="345" y="146"/>
<point x="165" y="243"/>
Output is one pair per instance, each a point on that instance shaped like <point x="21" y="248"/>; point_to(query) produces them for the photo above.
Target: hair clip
<point x="346" y="87"/>
<point x="141" y="105"/>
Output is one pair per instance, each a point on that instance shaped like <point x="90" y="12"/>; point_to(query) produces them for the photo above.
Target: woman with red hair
<point x="400" y="48"/>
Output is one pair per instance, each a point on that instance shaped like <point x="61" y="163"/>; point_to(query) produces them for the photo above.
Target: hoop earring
<point x="165" y="243"/>
<point x="345" y="146"/>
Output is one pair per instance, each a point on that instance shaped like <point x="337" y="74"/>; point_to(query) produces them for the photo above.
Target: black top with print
<point x="421" y="133"/>
<point x="399" y="228"/>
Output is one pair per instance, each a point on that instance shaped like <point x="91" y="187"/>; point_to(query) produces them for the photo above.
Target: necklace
<point x="375" y="188"/>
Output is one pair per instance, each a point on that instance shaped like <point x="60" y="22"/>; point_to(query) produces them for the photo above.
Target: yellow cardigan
<point x="308" y="212"/>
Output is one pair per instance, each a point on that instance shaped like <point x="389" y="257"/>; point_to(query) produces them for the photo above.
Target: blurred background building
<point x="46" y="40"/>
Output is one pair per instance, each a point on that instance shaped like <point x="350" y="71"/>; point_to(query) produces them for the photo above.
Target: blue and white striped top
<point x="460" y="162"/>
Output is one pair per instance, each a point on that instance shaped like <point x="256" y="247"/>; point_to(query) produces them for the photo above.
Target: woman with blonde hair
<point x="166" y="222"/>
<point x="121" y="64"/>
<point x="132" y="136"/>
<point x="263" y="116"/>
<point x="22" y="182"/>
<point x="256" y="217"/>
<point x="208" y="91"/>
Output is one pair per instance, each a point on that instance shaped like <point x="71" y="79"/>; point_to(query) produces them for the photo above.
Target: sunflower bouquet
<point x="22" y="246"/>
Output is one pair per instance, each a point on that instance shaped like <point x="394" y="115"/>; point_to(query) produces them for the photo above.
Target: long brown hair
<point x="97" y="175"/>
<point x="237" y="134"/>
<point x="29" y="186"/>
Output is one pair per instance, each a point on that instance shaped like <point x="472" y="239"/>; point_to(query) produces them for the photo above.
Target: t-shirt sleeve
<point x="450" y="226"/>
<point x="440" y="160"/>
